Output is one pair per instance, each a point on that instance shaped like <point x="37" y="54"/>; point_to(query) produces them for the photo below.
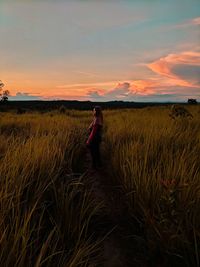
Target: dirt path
<point x="118" y="248"/>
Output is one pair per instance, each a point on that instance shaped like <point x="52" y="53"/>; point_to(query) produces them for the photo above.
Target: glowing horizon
<point x="100" y="50"/>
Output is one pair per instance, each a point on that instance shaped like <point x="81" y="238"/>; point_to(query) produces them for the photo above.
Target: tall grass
<point x="48" y="215"/>
<point x="156" y="161"/>
<point x="45" y="212"/>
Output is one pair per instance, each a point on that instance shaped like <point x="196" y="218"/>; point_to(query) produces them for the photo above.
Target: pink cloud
<point x="121" y="91"/>
<point x="143" y="87"/>
<point x="165" y="65"/>
<point x="125" y="90"/>
<point x="175" y="77"/>
<point x="196" y="21"/>
<point x="188" y="23"/>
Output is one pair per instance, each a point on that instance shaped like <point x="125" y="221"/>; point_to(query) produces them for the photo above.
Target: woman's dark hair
<point x="98" y="110"/>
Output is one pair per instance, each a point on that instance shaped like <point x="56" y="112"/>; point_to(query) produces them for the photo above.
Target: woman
<point x="94" y="139"/>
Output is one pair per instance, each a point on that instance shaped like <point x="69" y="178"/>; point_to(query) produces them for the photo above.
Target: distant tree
<point x="1" y="85"/>
<point x="192" y="101"/>
<point x="4" y="94"/>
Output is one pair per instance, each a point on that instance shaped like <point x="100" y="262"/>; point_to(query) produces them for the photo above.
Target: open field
<point x="51" y="214"/>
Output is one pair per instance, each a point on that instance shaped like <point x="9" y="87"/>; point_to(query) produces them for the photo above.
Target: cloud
<point x="95" y="95"/>
<point x="188" y="23"/>
<point x="88" y="74"/>
<point x="196" y="21"/>
<point x="159" y="94"/>
<point x="160" y="90"/>
<point x="165" y="67"/>
<point x="20" y="96"/>
<point x="188" y="72"/>
<point x="167" y="97"/>
<point x="120" y="91"/>
<point x="144" y="87"/>
<point x="85" y="85"/>
<point x="126" y="91"/>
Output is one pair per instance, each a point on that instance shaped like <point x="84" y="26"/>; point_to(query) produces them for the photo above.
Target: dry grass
<point x="156" y="161"/>
<point x="46" y="211"/>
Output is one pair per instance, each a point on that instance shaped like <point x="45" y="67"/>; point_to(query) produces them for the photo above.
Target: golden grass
<point x="157" y="162"/>
<point x="45" y="212"/>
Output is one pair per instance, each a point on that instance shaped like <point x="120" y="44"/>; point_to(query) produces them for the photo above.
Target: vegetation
<point x="179" y="111"/>
<point x="3" y="94"/>
<point x="156" y="161"/>
<point x="192" y="101"/>
<point x="45" y="211"/>
<point x="48" y="214"/>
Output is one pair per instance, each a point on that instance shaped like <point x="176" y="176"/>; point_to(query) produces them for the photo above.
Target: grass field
<point x="48" y="214"/>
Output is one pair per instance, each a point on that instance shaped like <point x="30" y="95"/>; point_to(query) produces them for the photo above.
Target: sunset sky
<point x="100" y="50"/>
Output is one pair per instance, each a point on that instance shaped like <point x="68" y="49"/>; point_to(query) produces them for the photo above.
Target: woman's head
<point x="97" y="111"/>
<point x="98" y="115"/>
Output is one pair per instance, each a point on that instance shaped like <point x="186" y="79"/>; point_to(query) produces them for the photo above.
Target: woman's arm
<point x="92" y="134"/>
<point x="90" y="127"/>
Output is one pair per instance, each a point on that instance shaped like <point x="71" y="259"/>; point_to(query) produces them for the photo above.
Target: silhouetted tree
<point x="1" y="85"/>
<point x="3" y="94"/>
<point x="192" y="101"/>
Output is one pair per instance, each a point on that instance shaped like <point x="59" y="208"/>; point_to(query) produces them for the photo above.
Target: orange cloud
<point x="86" y="85"/>
<point x="164" y="66"/>
<point x="143" y="87"/>
<point x="125" y="90"/>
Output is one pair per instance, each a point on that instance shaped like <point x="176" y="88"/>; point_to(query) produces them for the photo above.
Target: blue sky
<point x="101" y="50"/>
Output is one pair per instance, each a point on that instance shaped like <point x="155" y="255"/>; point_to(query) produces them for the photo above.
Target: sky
<point x="100" y="50"/>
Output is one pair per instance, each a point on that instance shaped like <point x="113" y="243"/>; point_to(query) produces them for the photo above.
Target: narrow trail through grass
<point x="119" y="247"/>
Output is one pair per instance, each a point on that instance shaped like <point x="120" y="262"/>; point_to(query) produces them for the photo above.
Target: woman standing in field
<point x="94" y="139"/>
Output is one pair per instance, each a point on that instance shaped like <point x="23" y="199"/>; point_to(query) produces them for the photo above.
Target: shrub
<point x="179" y="111"/>
<point x="62" y="109"/>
